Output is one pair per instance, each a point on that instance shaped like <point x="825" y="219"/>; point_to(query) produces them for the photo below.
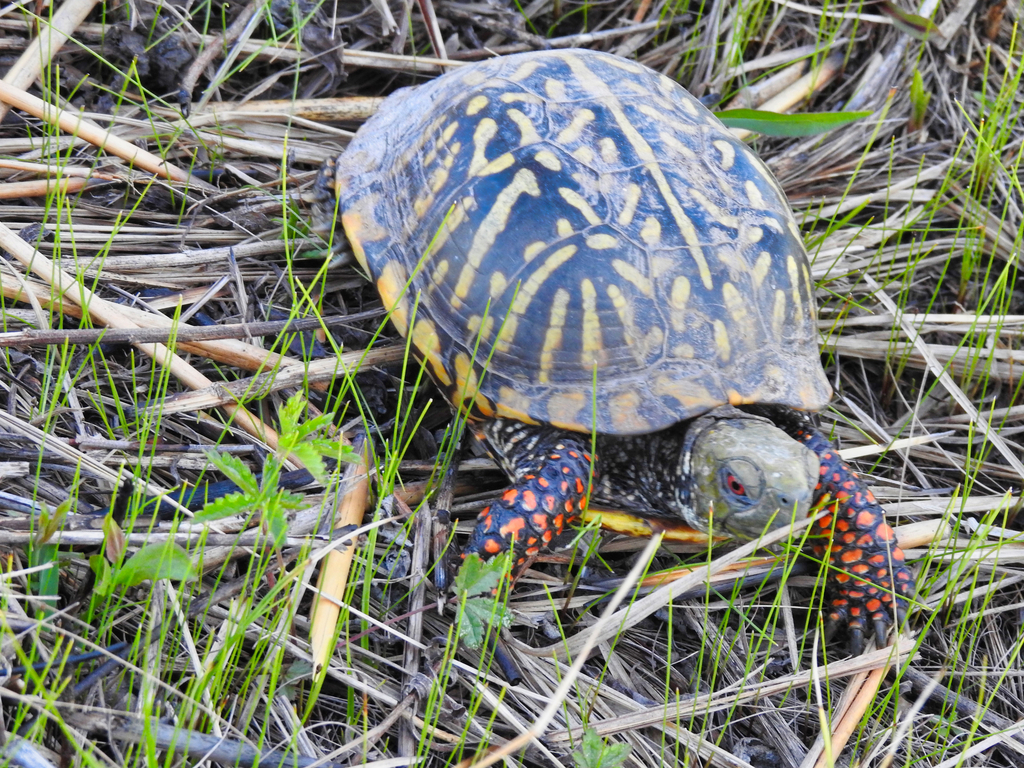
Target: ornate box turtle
<point x="577" y="247"/>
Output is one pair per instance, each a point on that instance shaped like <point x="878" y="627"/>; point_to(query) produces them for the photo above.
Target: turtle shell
<point x="570" y="238"/>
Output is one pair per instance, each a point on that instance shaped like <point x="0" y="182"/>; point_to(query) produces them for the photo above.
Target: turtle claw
<point x="881" y="632"/>
<point x="855" y="640"/>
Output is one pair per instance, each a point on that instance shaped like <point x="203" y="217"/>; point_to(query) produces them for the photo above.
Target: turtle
<point x="613" y="289"/>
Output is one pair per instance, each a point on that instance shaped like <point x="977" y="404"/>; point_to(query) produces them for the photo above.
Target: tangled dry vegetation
<point x="212" y="295"/>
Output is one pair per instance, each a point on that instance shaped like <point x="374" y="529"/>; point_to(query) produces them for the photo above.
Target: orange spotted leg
<point x="549" y="495"/>
<point x="869" y="579"/>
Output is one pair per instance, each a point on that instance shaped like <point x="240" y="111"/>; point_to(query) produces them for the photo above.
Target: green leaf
<point x="236" y="471"/>
<point x="315" y="425"/>
<point x="277" y="527"/>
<point x="774" y="124"/>
<point x="289" y="500"/>
<point x="479" y="613"/>
<point x="45" y="582"/>
<point x="225" y="506"/>
<point x="916" y="26"/>
<point x="165" y="560"/>
<point x="919" y="99"/>
<point x="289" y="414"/>
<point x="595" y="753"/>
<point x="113" y="539"/>
<point x="479" y="577"/>
<point x="104" y="584"/>
<point x="311" y="459"/>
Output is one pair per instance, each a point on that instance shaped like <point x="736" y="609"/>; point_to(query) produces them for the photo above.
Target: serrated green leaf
<point x="774" y="124"/>
<point x="225" y="506"/>
<point x="289" y="500"/>
<point x="311" y="459"/>
<point x="314" y="425"/>
<point x="289" y="414"/>
<point x="479" y="577"/>
<point x="595" y="753"/>
<point x="236" y="471"/>
<point x="916" y="26"/>
<point x="477" y="615"/>
<point x="165" y="560"/>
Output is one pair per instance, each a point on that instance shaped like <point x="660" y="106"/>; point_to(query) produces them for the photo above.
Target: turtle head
<point x="747" y="477"/>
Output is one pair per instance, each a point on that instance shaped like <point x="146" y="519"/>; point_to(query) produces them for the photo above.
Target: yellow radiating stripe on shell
<point x="426" y="341"/>
<point x="761" y="267"/>
<point x="497" y="165"/>
<point x="486" y="129"/>
<point x="728" y="153"/>
<point x="650" y="233"/>
<point x="609" y="152"/>
<point x="718" y="214"/>
<point x="555" y="89"/>
<point x="553" y="335"/>
<point x="467" y="383"/>
<point x="753" y="194"/>
<point x="526" y="69"/>
<point x="438" y="275"/>
<point x="391" y="287"/>
<point x="549" y="160"/>
<point x="602" y="242"/>
<point x="456" y="216"/>
<point x="476" y="104"/>
<point x="498" y="283"/>
<point x="479" y="328"/>
<point x="680" y="292"/>
<point x="735" y="304"/>
<point x="591" y="330"/>
<point x="493" y="224"/>
<point x="779" y="313"/>
<point x="628" y="211"/>
<point x="810" y="288"/>
<point x="527" y="131"/>
<point x="678" y="299"/>
<point x="534" y="248"/>
<point x="577" y="125"/>
<point x="722" y="341"/>
<point x="584" y="154"/>
<point x="633" y="275"/>
<point x="540" y="275"/>
<point x="675" y="144"/>
<point x="576" y="200"/>
<point x="624" y="311"/>
<point x="794" y="283"/>
<point x="527" y="291"/>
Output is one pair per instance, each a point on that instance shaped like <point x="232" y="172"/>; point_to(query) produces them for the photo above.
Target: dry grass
<point x="915" y="228"/>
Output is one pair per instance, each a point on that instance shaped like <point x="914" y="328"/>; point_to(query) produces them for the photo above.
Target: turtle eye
<point x="733" y="489"/>
<point x="734" y="485"/>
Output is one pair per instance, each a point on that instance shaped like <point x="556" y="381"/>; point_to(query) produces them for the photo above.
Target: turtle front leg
<point x="552" y="474"/>
<point x="870" y="579"/>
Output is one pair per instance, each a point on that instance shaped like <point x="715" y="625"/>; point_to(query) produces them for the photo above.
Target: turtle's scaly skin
<point x="870" y="582"/>
<point x="573" y="244"/>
